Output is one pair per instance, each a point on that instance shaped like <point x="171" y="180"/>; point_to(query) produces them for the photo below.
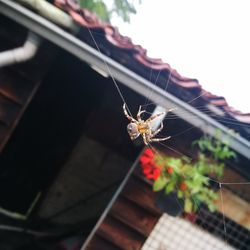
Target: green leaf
<point x="180" y="194"/>
<point x="122" y="8"/>
<point x="170" y="187"/>
<point x="174" y="163"/>
<point x="212" y="207"/>
<point x="98" y="7"/>
<point x="160" y="183"/>
<point x="188" y="205"/>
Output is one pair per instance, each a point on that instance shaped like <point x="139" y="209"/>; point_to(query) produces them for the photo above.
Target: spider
<point x="140" y="127"/>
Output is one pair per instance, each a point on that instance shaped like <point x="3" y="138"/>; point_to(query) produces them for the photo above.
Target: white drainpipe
<point x="21" y="54"/>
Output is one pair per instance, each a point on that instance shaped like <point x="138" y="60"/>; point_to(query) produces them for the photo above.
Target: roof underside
<point x="134" y="68"/>
<point x="112" y="43"/>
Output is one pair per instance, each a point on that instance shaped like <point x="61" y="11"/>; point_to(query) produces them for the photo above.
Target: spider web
<point x="221" y="185"/>
<point x="172" y="116"/>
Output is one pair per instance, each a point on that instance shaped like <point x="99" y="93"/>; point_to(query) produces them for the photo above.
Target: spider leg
<point x="139" y="110"/>
<point x="130" y="118"/>
<point x="155" y="116"/>
<point x="157" y="131"/>
<point x="139" y="114"/>
<point x="145" y="139"/>
<point x="160" y="139"/>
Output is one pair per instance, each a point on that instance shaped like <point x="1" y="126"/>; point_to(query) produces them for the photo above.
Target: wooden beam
<point x="234" y="208"/>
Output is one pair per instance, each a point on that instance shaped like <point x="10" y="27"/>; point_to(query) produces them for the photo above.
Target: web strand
<point x="155" y="83"/>
<point x="223" y="213"/>
<point x="196" y="97"/>
<point x="109" y="71"/>
<point x="220" y="118"/>
<point x="165" y="89"/>
<point x="176" y="151"/>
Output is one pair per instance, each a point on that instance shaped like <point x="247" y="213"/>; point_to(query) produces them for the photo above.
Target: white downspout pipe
<point x="21" y="54"/>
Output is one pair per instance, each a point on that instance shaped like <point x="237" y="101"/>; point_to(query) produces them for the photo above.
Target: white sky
<point x="204" y="39"/>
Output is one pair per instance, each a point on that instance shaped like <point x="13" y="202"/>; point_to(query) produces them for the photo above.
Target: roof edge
<point x="129" y="78"/>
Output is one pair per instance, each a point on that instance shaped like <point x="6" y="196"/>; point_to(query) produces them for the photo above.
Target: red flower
<point x="170" y="170"/>
<point x="156" y="173"/>
<point x="183" y="186"/>
<point x="147" y="156"/>
<point x="145" y="160"/>
<point x="152" y="173"/>
<point x="148" y="152"/>
<point x="149" y="167"/>
<point x="191" y="217"/>
<point x="146" y="168"/>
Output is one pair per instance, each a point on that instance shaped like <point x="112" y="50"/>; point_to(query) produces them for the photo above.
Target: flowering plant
<point x="188" y="179"/>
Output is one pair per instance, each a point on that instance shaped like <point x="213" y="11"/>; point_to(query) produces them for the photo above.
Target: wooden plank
<point x="230" y="175"/>
<point x="234" y="208"/>
<point x="11" y="113"/>
<point x="14" y="87"/>
<point x="3" y="131"/>
<point x="141" y="193"/>
<point x="19" y="85"/>
<point x="8" y="111"/>
<point x="120" y="234"/>
<point x="133" y="215"/>
<point x="100" y="243"/>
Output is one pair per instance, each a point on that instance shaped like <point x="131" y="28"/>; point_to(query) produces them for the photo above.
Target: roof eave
<point x="84" y="52"/>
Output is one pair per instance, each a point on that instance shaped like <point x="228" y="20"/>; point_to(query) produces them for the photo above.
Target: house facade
<point x="65" y="153"/>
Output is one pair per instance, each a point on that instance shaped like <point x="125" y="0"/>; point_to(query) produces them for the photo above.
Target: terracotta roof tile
<point x="135" y="58"/>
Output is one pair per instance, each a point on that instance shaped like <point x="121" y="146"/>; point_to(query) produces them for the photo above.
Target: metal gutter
<point x="84" y="52"/>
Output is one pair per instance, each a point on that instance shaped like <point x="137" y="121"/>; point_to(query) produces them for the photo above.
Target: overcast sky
<point x="204" y="39"/>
